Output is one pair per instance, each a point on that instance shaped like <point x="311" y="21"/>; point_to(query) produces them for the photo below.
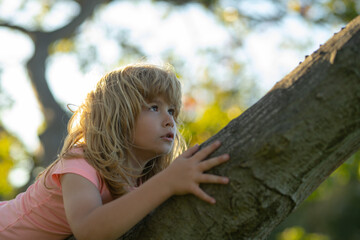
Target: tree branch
<point x="281" y="149"/>
<point x="87" y="9"/>
<point x="16" y="27"/>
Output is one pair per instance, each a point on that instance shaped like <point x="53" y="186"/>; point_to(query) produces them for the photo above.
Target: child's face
<point x="155" y="130"/>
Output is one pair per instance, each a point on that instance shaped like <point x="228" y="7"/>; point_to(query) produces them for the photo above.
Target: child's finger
<point x="203" y="153"/>
<point x="204" y="196"/>
<point x="212" y="162"/>
<point x="190" y="151"/>
<point x="210" y="178"/>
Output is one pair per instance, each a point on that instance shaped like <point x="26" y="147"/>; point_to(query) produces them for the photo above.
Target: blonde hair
<point x="103" y="126"/>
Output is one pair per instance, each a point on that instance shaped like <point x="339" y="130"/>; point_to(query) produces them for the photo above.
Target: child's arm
<point x="89" y="219"/>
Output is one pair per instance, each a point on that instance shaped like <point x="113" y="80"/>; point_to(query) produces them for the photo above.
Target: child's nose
<point x="168" y="120"/>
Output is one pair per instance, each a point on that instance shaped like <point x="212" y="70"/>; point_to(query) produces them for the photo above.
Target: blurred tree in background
<point x="222" y="89"/>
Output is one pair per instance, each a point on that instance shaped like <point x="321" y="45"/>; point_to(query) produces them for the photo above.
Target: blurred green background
<point x="227" y="53"/>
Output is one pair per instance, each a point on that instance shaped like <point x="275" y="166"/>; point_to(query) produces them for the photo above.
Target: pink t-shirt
<point x="39" y="212"/>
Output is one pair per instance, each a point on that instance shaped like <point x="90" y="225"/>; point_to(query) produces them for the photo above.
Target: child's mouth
<point x="168" y="137"/>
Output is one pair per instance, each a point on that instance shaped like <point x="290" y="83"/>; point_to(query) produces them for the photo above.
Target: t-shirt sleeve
<point x="77" y="166"/>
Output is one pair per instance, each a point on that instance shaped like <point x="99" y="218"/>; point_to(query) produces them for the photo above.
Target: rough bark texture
<point x="281" y="149"/>
<point x="55" y="118"/>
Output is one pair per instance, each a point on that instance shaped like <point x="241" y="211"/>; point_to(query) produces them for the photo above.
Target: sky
<point x="184" y="31"/>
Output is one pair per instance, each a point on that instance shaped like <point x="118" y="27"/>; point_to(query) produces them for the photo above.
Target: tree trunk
<point x="55" y="117"/>
<point x="281" y="149"/>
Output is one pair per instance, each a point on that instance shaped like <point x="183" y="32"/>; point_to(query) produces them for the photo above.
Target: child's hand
<point x="187" y="171"/>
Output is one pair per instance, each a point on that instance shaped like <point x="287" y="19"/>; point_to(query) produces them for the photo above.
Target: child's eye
<point x="171" y="112"/>
<point x="154" y="108"/>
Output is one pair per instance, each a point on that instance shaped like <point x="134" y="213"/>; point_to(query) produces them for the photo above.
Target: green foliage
<point x="344" y="10"/>
<point x="6" y="163"/>
<point x="327" y="11"/>
<point x="64" y="45"/>
<point x="11" y="150"/>
<point x="298" y="233"/>
<point x="349" y="171"/>
<point x="207" y="109"/>
<point x="332" y="210"/>
<point x="12" y="154"/>
<point x="209" y="121"/>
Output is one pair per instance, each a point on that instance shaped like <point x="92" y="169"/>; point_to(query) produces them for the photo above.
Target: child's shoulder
<point x="73" y="162"/>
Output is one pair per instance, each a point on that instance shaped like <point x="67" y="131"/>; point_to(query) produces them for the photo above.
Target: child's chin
<point x="166" y="152"/>
<point x="162" y="153"/>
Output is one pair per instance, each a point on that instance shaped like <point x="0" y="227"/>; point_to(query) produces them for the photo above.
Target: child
<point x="109" y="175"/>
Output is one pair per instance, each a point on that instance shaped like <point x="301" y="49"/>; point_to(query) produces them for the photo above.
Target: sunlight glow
<point x="184" y="32"/>
<point x="19" y="176"/>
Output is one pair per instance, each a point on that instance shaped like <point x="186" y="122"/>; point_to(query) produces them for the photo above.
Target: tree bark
<point x="281" y="149"/>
